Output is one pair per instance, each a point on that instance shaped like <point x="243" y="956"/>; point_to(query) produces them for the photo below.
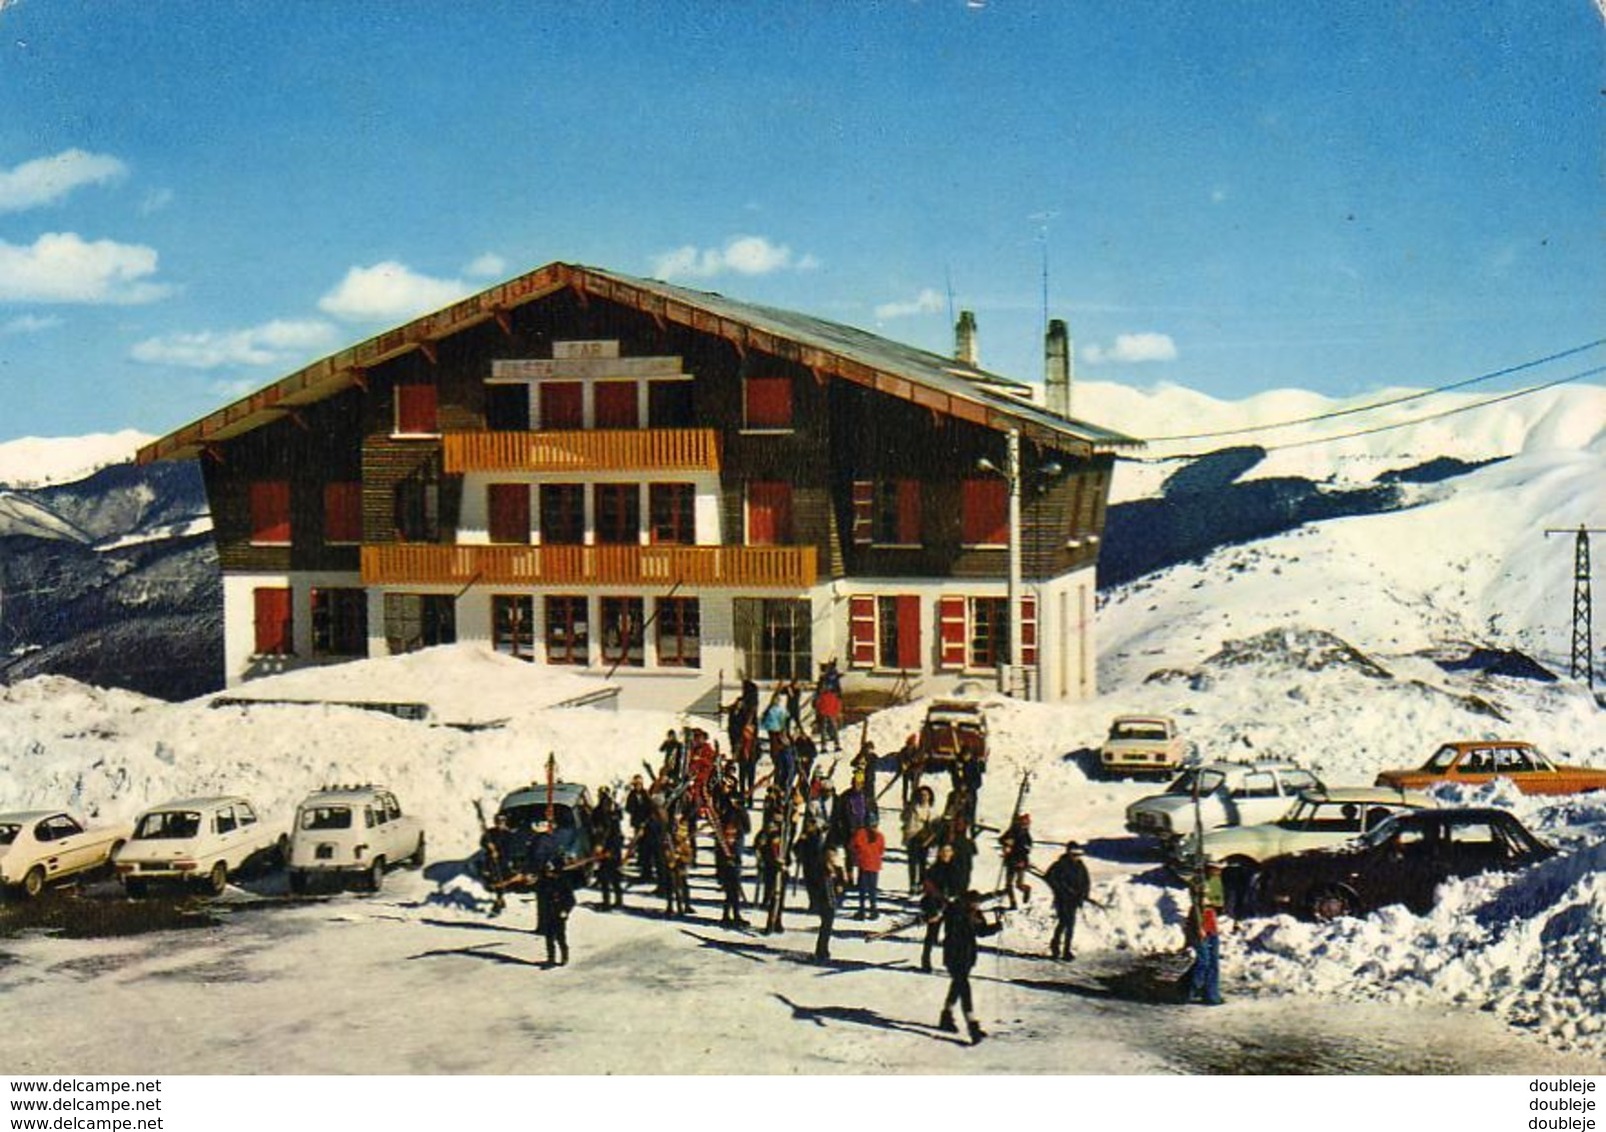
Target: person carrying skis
<point x="728" y="871"/>
<point x="867" y="848"/>
<point x="828" y="706"/>
<point x="962" y="922"/>
<point x="1016" y="843"/>
<point x="608" y="835"/>
<point x="820" y="875"/>
<point x="918" y="815"/>
<point x="945" y="882"/>
<point x="554" y="900"/>
<point x="1068" y="880"/>
<point x="770" y="849"/>
<point x="677" y="865"/>
<point x="498" y="845"/>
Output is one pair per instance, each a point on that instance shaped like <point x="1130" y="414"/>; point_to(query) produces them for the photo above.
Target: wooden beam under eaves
<point x="359" y="377"/>
<point x="430" y="351"/>
<point x="504" y="320"/>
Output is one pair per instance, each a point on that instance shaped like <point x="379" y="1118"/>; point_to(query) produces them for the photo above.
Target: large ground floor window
<point x="568" y="629"/>
<point x="679" y="632"/>
<point x="419" y="621"/>
<point x="339" y="622"/>
<point x="774" y="637"/>
<point x="513" y="625"/>
<point x="623" y="632"/>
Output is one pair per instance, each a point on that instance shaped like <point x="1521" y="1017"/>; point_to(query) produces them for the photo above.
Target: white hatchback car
<point x="1221" y="794"/>
<point x="348" y="831"/>
<point x="38" y="847"/>
<point x="205" y="840"/>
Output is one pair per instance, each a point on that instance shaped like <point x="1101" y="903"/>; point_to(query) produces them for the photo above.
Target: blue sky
<point x="196" y="198"/>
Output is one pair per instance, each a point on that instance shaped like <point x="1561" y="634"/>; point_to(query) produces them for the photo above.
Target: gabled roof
<point x="830" y="349"/>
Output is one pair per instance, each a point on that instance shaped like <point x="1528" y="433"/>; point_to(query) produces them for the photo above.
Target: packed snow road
<point x="421" y="980"/>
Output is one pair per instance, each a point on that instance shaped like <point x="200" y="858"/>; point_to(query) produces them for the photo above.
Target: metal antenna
<point x="1583" y="659"/>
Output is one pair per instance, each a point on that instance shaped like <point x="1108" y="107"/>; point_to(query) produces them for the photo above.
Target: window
<point x="984" y="512"/>
<point x="562" y="404"/>
<point x="563" y="514"/>
<point x="567" y="631"/>
<point x="989" y="632"/>
<point x="618" y="514"/>
<point x="897" y="513"/>
<point x="419" y="621"/>
<point x="224" y="821"/>
<point x="670" y="510"/>
<point x="615" y="404"/>
<point x="342" y="513"/>
<point x="679" y="632"/>
<point x="509" y="508"/>
<point x="416" y="410"/>
<point x="339" y="622"/>
<point x="884" y="632"/>
<point x="507" y="407"/>
<point x="272" y="621"/>
<point x="669" y="404"/>
<point x="774" y="638"/>
<point x="769" y="402"/>
<point x="622" y="636"/>
<point x="974" y="632"/>
<point x="513" y="625"/>
<point x="769" y="513"/>
<point x="418" y="508"/>
<point x="270" y="513"/>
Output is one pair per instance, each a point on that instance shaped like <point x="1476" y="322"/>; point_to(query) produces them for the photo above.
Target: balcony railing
<point x="590" y="450"/>
<point x="785" y="567"/>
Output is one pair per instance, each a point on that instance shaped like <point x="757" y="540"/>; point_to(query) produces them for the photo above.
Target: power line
<point x="1389" y="427"/>
<point x="1352" y="410"/>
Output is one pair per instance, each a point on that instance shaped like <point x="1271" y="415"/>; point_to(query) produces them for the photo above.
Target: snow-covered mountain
<point x="38" y="461"/>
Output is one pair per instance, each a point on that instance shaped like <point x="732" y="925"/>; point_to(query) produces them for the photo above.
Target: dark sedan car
<point x="1401" y="861"/>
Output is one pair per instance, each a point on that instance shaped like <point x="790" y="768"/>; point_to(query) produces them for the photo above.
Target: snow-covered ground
<point x="1318" y="644"/>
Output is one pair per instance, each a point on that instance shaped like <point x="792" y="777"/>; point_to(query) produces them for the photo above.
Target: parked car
<point x="198" y="841"/>
<point x="1401" y="861"/>
<point x="950" y="727"/>
<point x="1143" y="744"/>
<point x="526" y="811"/>
<point x="39" y="847"/>
<point x="1229" y="793"/>
<point x="352" y="832"/>
<point x="1320" y="818"/>
<point x="1475" y="762"/>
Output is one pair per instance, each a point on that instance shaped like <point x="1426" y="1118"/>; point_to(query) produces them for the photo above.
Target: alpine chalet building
<point x="586" y="469"/>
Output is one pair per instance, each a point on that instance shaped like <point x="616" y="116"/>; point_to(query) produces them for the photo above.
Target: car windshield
<point x="1209" y="782"/>
<point x="326" y="817"/>
<point x="1324" y="817"/>
<point x="168" y="825"/>
<point x="8" y="833"/>
<point x="1441" y="759"/>
<point x="1150" y="731"/>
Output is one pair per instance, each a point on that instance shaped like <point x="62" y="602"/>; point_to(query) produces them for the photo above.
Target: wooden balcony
<point x="590" y="450"/>
<point x="654" y="567"/>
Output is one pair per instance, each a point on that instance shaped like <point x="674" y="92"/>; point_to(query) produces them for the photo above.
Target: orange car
<point x="1486" y="760"/>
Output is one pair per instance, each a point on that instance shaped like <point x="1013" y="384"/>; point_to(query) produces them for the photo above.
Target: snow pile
<point x="34" y="461"/>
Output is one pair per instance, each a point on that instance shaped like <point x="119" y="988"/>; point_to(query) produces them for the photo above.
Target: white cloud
<point x="46" y="180"/>
<point x="1146" y="347"/>
<point x="63" y="267"/>
<point x="927" y="302"/>
<point x="30" y="324"/>
<point x="488" y="266"/>
<point x="278" y="343"/>
<point x="741" y="255"/>
<point x="389" y="292"/>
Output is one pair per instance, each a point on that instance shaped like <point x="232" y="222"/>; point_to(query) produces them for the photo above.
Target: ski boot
<point x="946" y="1022"/>
<point x="976" y="1032"/>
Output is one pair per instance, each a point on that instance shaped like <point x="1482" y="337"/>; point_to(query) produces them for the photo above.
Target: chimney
<point x="965" y="339"/>
<point x="1057" y="368"/>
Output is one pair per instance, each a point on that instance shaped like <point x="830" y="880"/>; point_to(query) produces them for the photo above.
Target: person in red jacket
<point x="867" y="847"/>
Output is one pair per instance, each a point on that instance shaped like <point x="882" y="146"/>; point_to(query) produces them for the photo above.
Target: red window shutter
<point x="769" y="514"/>
<point x="861" y="631"/>
<point x="909" y="512"/>
<point x="416" y="409"/>
<point x="1028" y="630"/>
<point x="342" y="512"/>
<point x="952" y="633"/>
<point x="909" y="632"/>
<point x="270" y="511"/>
<point x="863" y="512"/>
<point x="509" y="506"/>
<point x="273" y="628"/>
<point x="562" y="404"/>
<point x="616" y="404"/>
<point x="769" y="402"/>
<point x="984" y="512"/>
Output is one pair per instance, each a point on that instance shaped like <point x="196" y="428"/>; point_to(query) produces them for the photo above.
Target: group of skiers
<point x="834" y="841"/>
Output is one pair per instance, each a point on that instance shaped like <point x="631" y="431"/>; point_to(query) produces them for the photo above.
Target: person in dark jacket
<point x="771" y="850"/>
<point x="728" y="871"/>
<point x="499" y="865"/>
<point x="945" y="882"/>
<point x="554" y="900"/>
<point x="638" y="807"/>
<point x="608" y="835"/>
<point x="1016" y="843"/>
<point x="962" y="922"/>
<point x="1068" y="880"/>
<point x="820" y="874"/>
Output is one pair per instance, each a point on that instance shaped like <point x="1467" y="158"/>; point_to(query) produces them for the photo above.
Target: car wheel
<point x="218" y="879"/>
<point x="1332" y="903"/>
<point x="375" y="879"/>
<point x="298" y="882"/>
<point x="135" y="889"/>
<point x="418" y="858"/>
<point x="34" y="882"/>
